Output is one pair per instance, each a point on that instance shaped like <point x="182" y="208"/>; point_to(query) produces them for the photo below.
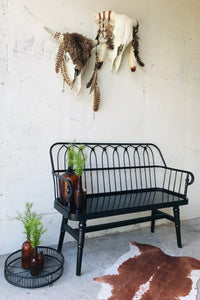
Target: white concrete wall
<point x="159" y="103"/>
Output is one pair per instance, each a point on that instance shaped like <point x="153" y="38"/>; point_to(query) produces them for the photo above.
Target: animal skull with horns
<point x="116" y="32"/>
<point x="73" y="53"/>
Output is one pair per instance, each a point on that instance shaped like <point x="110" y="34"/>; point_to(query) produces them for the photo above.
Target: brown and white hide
<point x="73" y="53"/>
<point x="116" y="30"/>
<point x="147" y="273"/>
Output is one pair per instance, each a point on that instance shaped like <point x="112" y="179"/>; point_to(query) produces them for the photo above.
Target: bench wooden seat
<point x="120" y="179"/>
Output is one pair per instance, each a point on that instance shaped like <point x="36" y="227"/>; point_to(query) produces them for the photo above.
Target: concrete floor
<point x="99" y="254"/>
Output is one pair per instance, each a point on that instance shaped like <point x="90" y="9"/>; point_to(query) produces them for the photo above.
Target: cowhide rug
<point x="147" y="273"/>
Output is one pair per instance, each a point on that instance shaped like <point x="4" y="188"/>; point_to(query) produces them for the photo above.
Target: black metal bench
<point x="120" y="179"/>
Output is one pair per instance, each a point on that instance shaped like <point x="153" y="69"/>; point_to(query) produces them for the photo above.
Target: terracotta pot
<point x="27" y="253"/>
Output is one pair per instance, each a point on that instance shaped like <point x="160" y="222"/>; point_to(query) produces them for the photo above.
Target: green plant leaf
<point x="80" y="159"/>
<point x="27" y="219"/>
<point x="37" y="229"/>
<point x="70" y="155"/>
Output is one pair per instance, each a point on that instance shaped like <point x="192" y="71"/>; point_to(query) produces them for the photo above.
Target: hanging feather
<point x="109" y="37"/>
<point x="132" y="60"/>
<point x="97" y="98"/>
<point x="59" y="57"/>
<point x="65" y="75"/>
<point x="135" y="44"/>
<point x="92" y="82"/>
<point x="100" y="56"/>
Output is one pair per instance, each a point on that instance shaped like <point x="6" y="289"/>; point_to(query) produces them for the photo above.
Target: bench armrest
<point x="189" y="175"/>
<point x="177" y="180"/>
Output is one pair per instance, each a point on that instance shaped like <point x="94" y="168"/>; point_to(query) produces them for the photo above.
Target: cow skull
<point x="71" y="66"/>
<point x="117" y="31"/>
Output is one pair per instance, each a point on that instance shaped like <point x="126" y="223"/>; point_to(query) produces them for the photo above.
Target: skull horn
<point x="56" y="35"/>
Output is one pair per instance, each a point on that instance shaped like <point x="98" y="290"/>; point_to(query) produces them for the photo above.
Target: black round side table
<point x="16" y="275"/>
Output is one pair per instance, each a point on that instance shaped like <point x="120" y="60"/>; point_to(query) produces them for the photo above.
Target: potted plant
<point x="27" y="219"/>
<point x="79" y="161"/>
<point x="75" y="162"/>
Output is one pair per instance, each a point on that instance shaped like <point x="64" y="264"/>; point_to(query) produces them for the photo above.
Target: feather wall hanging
<point x="115" y="33"/>
<point x="73" y="53"/>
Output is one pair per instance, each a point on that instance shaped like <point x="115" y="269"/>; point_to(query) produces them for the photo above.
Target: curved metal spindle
<point x="129" y="149"/>
<point x="169" y="181"/>
<point x="103" y="171"/>
<point x="102" y="165"/>
<point x="95" y="171"/>
<point x="138" y="169"/>
<point x="145" y="170"/>
<point x="105" y="165"/>
<point x="164" y="179"/>
<point x="85" y="179"/>
<point x="152" y="171"/>
<point x="90" y="167"/>
<point x="117" y="166"/>
<point x="83" y="153"/>
<point x="126" y="157"/>
<point x="174" y="187"/>
<point x="59" y="158"/>
<point x="121" y="167"/>
<point x="114" y="175"/>
<point x="65" y="159"/>
<point x="122" y="175"/>
<point x="180" y="183"/>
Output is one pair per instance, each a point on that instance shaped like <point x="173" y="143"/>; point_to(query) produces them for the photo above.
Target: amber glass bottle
<point x="70" y="174"/>
<point x="27" y="253"/>
<point x="40" y="260"/>
<point x="34" y="263"/>
<point x="80" y="195"/>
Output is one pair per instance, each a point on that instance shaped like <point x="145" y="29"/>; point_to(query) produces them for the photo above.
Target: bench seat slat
<point x="100" y="206"/>
<point x="131" y="200"/>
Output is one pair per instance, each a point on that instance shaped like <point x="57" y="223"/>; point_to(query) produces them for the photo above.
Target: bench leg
<point x="80" y="245"/>
<point x="62" y="233"/>
<point x="153" y="220"/>
<point x="177" y="225"/>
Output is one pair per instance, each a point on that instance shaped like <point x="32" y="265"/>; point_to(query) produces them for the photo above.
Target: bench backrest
<point x="113" y="167"/>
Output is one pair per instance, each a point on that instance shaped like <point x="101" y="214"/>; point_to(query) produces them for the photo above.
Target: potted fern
<point x="75" y="162"/>
<point x="27" y="219"/>
<point x="79" y="161"/>
<point x="33" y="229"/>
